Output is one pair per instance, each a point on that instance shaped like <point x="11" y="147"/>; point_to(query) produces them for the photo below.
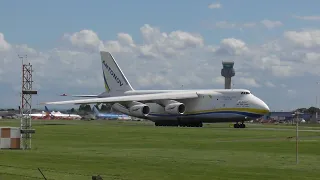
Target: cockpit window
<point x="245" y="93"/>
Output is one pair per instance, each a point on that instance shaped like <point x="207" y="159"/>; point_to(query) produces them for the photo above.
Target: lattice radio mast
<point x="26" y="104"/>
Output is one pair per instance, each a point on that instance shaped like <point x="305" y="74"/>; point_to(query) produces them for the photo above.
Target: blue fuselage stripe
<point x="248" y="114"/>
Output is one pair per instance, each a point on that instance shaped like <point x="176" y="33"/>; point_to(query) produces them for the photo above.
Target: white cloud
<point x="85" y="39"/>
<point x="164" y="60"/>
<point x="308" y="18"/>
<point x="125" y="38"/>
<point x="306" y="38"/>
<point x="215" y="6"/>
<point x="158" y="44"/>
<point x="4" y="45"/>
<point x="271" y="24"/>
<point x="232" y="46"/>
<point x="312" y="58"/>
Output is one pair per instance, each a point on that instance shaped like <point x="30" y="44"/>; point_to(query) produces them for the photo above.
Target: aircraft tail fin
<point x="47" y="111"/>
<point x="115" y="81"/>
<point x="95" y="110"/>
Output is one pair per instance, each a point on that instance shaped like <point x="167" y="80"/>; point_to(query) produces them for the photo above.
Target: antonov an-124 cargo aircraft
<point x="189" y="108"/>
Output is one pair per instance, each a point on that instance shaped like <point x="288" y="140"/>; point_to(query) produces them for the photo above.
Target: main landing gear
<point x="237" y="125"/>
<point x="176" y="123"/>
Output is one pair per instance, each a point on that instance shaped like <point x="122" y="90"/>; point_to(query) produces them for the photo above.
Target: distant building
<point x="286" y="116"/>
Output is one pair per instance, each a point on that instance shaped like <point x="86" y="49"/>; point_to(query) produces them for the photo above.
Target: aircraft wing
<point x="80" y="95"/>
<point x="84" y="96"/>
<point x="140" y="98"/>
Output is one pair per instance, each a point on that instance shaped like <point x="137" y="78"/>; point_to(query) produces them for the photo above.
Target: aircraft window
<point x="245" y="93"/>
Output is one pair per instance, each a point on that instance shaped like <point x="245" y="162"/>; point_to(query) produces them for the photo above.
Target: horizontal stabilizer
<point x="140" y="98"/>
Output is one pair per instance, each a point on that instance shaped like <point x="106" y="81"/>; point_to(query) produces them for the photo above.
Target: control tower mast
<point x="227" y="72"/>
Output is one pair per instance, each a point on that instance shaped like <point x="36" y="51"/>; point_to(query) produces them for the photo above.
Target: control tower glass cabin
<point x="227" y="72"/>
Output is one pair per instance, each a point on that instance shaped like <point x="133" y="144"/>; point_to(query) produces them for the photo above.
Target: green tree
<point x="104" y="108"/>
<point x="312" y="110"/>
<point x="81" y="107"/>
<point x="87" y="108"/>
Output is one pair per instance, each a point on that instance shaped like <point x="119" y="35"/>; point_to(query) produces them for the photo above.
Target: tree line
<point x="82" y="108"/>
<point x="88" y="108"/>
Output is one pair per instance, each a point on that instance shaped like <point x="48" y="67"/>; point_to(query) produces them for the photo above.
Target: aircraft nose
<point x="264" y="107"/>
<point x="261" y="105"/>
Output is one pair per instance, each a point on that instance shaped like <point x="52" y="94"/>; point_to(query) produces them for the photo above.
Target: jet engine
<point x="139" y="110"/>
<point x="136" y="109"/>
<point x="173" y="107"/>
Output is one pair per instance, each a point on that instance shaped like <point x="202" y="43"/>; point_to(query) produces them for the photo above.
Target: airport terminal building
<point x="282" y="116"/>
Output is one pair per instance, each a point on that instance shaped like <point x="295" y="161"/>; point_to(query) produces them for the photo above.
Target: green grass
<point x="140" y="151"/>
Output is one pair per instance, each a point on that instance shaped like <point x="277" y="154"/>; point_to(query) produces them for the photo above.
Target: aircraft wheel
<point x="236" y="125"/>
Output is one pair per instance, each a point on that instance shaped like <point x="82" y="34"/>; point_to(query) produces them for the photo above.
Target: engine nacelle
<point x="139" y="110"/>
<point x="173" y="107"/>
<point x="136" y="109"/>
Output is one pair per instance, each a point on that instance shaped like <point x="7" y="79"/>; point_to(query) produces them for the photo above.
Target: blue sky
<point x="47" y="28"/>
<point x="41" y="23"/>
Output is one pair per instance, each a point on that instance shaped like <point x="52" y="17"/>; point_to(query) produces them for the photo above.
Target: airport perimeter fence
<point x="29" y="173"/>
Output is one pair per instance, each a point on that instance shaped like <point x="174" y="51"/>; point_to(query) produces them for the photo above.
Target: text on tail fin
<point x="114" y="79"/>
<point x="106" y="83"/>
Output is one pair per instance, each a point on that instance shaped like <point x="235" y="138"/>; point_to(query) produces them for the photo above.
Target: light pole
<point x="296" y="115"/>
<point x="317" y="102"/>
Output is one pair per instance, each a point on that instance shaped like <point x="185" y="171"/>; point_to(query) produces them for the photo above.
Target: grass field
<point x="138" y="150"/>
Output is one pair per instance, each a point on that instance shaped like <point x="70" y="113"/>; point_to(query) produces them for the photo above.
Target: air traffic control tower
<point x="227" y="72"/>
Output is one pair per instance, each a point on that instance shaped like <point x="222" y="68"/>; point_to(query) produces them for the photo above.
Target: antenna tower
<point x="26" y="104"/>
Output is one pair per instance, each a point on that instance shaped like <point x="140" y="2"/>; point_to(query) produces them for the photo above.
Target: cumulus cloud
<point x="232" y="46"/>
<point x="85" y="39"/>
<point x="4" y="45"/>
<point x="126" y="39"/>
<point x="306" y="38"/>
<point x="163" y="60"/>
